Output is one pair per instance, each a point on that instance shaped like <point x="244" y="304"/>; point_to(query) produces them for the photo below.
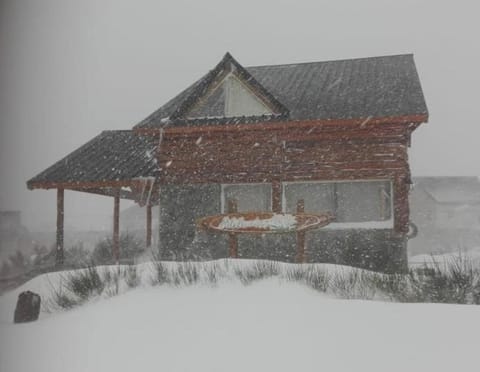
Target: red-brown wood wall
<point x="318" y="152"/>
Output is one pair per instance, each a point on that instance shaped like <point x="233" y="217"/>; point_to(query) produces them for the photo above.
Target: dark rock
<point x="28" y="307"/>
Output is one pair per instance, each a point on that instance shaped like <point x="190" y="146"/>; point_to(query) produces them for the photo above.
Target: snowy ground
<point x="419" y="260"/>
<point x="267" y="326"/>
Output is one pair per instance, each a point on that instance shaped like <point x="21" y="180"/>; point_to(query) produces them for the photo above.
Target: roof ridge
<point x="206" y="82"/>
<point x="402" y="96"/>
<point x="332" y="60"/>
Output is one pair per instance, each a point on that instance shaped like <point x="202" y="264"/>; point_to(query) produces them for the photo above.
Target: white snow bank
<point x="472" y="255"/>
<point x="46" y="284"/>
<point x="267" y="326"/>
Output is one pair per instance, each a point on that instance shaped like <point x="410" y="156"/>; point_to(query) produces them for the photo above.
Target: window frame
<point x="222" y="193"/>
<point x="385" y="224"/>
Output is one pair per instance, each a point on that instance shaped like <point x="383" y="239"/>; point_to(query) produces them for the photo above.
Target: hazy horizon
<point x="69" y="70"/>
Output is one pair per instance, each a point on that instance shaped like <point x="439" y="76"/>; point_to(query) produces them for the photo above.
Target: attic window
<point x="240" y="101"/>
<point x="231" y="98"/>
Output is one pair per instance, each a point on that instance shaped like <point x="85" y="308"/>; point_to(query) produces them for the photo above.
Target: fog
<point x="70" y="69"/>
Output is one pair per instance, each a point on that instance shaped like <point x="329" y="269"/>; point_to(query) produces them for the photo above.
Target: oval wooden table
<point x="234" y="224"/>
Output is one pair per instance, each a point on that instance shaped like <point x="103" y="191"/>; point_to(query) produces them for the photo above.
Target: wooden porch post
<point x="149" y="226"/>
<point x="232" y="237"/>
<point x="116" y="227"/>
<point x="159" y="223"/>
<point x="59" y="255"/>
<point x="300" y="235"/>
<point x="276" y="197"/>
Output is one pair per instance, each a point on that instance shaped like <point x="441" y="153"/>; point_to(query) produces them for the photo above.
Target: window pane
<point x="249" y="198"/>
<point x="318" y="197"/>
<point x="240" y="101"/>
<point x="363" y="201"/>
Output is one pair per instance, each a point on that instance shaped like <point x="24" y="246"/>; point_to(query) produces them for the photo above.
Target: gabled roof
<point x="111" y="156"/>
<point x="450" y="189"/>
<point x="375" y="87"/>
<point x="227" y="65"/>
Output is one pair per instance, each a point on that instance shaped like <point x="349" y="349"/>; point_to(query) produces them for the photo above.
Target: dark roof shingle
<point x="110" y="156"/>
<point x="373" y="87"/>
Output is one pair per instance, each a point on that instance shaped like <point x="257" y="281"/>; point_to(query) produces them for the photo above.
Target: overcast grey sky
<point x="70" y="69"/>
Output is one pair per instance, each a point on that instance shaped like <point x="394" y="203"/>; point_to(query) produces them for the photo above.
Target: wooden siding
<point x="317" y="153"/>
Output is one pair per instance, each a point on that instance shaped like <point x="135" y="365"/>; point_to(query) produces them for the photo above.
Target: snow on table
<point x="264" y="222"/>
<point x="275" y="222"/>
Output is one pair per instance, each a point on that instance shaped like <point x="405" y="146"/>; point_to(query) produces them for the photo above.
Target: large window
<point x="360" y="202"/>
<point x="317" y="196"/>
<point x="248" y="197"/>
<point x="363" y="201"/>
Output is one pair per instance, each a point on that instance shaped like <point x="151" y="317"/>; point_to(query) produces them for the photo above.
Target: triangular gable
<point x="241" y="101"/>
<point x="229" y="91"/>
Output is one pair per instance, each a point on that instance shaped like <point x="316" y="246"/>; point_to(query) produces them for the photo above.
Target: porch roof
<point x="114" y="158"/>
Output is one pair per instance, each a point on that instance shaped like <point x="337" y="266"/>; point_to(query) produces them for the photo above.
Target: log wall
<point x="321" y="153"/>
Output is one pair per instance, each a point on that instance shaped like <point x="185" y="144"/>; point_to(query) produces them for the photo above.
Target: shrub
<point x="79" y="286"/>
<point x="60" y="300"/>
<point x="160" y="273"/>
<point x="395" y="287"/>
<point x="458" y="281"/>
<point x="131" y="277"/>
<point x="85" y="283"/>
<point x="258" y="271"/>
<point x="297" y="273"/>
<point x="214" y="273"/>
<point x="77" y="256"/>
<point x="186" y="274"/>
<point x="130" y="247"/>
<point x="318" y="280"/>
<point x="352" y="284"/>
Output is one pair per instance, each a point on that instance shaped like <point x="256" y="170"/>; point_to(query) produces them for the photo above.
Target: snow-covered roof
<point x="375" y="87"/>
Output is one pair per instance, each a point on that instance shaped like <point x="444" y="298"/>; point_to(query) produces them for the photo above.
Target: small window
<point x="248" y="197"/>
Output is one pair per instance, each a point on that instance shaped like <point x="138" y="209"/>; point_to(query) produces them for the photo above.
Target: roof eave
<point x="415" y="120"/>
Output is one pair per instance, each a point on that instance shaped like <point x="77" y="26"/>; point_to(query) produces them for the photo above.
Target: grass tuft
<point x="258" y="271"/>
<point x="186" y="274"/>
<point x="85" y="283"/>
<point x="457" y="281"/>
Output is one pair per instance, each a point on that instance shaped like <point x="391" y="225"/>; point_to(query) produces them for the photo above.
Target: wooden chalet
<point x="333" y="134"/>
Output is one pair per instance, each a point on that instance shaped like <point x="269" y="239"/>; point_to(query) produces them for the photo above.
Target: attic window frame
<point x="227" y="87"/>
<point x="221" y="83"/>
